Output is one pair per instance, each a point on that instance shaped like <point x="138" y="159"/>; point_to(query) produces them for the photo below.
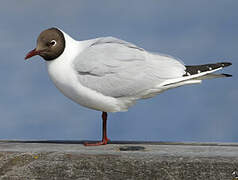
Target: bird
<point x="108" y="74"/>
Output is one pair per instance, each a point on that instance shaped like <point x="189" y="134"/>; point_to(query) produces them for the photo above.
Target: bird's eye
<point x="53" y="43"/>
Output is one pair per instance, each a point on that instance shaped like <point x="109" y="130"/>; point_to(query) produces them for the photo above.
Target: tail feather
<point x="212" y="76"/>
<point x="197" y="73"/>
<point x="227" y="75"/>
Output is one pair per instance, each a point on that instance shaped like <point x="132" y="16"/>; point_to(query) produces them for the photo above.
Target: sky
<point x="197" y="32"/>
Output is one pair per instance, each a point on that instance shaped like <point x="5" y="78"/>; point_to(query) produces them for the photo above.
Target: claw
<point x="103" y="142"/>
<point x="104" y="133"/>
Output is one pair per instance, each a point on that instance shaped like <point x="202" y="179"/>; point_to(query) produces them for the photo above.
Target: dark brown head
<point x="50" y="44"/>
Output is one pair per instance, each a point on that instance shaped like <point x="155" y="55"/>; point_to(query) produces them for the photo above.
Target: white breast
<point x="64" y="77"/>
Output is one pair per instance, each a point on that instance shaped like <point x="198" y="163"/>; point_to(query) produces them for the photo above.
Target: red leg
<point x="104" y="133"/>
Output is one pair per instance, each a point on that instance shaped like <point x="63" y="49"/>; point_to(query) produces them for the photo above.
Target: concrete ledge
<point x="118" y="160"/>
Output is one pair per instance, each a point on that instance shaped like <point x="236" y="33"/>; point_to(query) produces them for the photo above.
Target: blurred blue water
<point x="195" y="31"/>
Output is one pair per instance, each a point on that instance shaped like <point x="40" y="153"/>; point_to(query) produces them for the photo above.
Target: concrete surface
<point x="118" y="160"/>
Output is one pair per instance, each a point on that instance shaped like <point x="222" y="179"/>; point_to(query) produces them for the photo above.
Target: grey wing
<point x="120" y="69"/>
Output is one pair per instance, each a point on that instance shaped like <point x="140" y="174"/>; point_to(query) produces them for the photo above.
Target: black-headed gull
<point x="108" y="74"/>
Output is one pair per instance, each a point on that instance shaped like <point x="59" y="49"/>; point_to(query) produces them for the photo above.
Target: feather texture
<point x="117" y="68"/>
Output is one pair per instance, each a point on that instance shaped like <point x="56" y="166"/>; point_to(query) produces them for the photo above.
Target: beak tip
<point x="31" y="53"/>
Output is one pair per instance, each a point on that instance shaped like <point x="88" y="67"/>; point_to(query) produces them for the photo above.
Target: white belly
<point x="65" y="79"/>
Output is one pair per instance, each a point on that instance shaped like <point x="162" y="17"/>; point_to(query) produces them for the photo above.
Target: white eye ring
<point x="53" y="42"/>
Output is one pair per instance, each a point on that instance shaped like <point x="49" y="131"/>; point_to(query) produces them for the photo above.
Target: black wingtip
<point x="227" y="75"/>
<point x="225" y="64"/>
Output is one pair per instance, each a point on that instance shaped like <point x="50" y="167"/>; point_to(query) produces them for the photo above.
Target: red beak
<point x="32" y="53"/>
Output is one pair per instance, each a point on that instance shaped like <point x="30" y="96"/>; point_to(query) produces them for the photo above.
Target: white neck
<point x="72" y="49"/>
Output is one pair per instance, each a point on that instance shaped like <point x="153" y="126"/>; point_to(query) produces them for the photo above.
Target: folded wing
<point x="117" y="68"/>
